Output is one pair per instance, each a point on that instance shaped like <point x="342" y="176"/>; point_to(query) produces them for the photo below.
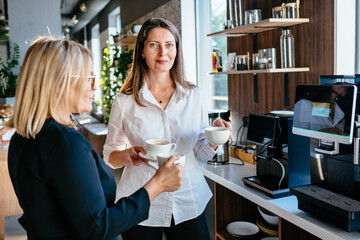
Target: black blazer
<point x="65" y="189"/>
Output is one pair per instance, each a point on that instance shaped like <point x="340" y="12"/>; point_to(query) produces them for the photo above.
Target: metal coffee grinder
<point x="220" y="158"/>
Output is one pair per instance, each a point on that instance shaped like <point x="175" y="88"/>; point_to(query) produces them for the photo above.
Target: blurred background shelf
<point x="262" y="26"/>
<point x="129" y="40"/>
<point x="271" y="70"/>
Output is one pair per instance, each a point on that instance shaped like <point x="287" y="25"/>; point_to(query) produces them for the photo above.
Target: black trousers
<point x="194" y="229"/>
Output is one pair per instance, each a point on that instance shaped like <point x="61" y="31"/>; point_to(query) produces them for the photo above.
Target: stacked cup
<point x="162" y="150"/>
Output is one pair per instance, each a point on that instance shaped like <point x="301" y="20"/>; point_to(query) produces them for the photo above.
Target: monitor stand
<point x="326" y="147"/>
<point x="269" y="184"/>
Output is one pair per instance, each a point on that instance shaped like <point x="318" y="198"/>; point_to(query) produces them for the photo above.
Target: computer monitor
<point x="325" y="112"/>
<point x="266" y="130"/>
<point x="262" y="129"/>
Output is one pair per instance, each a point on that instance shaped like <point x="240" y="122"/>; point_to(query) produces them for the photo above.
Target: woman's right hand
<point x="134" y="157"/>
<point x="168" y="178"/>
<point x="121" y="158"/>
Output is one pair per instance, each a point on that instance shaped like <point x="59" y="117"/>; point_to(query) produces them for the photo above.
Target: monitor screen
<point x="262" y="128"/>
<point x="325" y="112"/>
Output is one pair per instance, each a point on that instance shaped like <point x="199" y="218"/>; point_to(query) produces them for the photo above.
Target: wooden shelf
<point x="276" y="70"/>
<point x="224" y="235"/>
<point x="127" y="41"/>
<point x="262" y="26"/>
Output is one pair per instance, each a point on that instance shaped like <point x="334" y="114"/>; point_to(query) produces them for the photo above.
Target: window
<point x="214" y="86"/>
<point x="118" y="23"/>
<point x="114" y="26"/>
<point x="96" y="51"/>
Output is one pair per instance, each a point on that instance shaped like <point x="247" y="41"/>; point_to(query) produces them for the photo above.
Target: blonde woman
<point x="156" y="102"/>
<point x="63" y="186"/>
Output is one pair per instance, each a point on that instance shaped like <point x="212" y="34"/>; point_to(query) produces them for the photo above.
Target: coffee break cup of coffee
<point x="217" y="135"/>
<point x="163" y="157"/>
<point x="156" y="146"/>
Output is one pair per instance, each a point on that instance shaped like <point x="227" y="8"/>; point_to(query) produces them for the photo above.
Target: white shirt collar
<point x="180" y="93"/>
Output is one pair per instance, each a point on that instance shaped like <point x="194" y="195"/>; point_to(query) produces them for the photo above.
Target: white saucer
<point x="148" y="157"/>
<point x="284" y="113"/>
<point x="242" y="229"/>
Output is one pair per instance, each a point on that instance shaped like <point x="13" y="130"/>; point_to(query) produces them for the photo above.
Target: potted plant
<point x="8" y="78"/>
<point x="112" y="81"/>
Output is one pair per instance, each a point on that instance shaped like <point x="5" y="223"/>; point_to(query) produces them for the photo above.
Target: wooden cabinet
<point x="233" y="201"/>
<point x="230" y="207"/>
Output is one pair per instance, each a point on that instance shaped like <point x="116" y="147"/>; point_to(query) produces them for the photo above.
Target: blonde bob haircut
<point x="50" y="69"/>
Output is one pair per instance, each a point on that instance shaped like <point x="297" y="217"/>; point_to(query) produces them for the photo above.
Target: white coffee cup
<point x="217" y="135"/>
<point x="156" y="146"/>
<point x="163" y="157"/>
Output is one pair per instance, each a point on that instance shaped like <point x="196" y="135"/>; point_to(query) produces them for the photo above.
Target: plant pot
<point x="7" y="100"/>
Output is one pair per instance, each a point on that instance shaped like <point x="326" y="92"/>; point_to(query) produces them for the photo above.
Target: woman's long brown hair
<point x="139" y="69"/>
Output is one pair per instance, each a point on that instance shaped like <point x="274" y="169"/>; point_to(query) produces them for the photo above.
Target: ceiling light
<point x="74" y="20"/>
<point x="83" y="7"/>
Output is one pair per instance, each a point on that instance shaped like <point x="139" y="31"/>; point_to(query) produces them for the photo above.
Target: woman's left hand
<point x="222" y="123"/>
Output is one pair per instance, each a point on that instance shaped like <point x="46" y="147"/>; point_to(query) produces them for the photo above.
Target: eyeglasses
<point x="91" y="81"/>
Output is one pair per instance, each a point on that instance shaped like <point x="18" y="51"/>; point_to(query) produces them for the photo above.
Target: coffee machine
<point x="220" y="158"/>
<point x="336" y="197"/>
<point x="277" y="170"/>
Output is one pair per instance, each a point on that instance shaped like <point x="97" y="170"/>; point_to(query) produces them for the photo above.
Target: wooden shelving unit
<point x="130" y="40"/>
<point x="262" y="26"/>
<point x="258" y="27"/>
<point x="275" y="70"/>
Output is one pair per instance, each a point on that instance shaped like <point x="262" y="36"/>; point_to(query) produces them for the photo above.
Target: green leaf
<point x="8" y="79"/>
<point x="112" y="81"/>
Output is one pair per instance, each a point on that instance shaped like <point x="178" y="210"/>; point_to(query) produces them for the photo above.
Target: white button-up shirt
<point x="183" y="120"/>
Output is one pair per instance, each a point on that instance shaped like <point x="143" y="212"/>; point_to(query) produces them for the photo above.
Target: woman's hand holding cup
<point x="218" y="123"/>
<point x="222" y="123"/>
<point x="168" y="178"/>
<point x="170" y="175"/>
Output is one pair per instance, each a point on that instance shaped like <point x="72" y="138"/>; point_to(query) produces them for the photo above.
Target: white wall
<point x="344" y="38"/>
<point x="30" y="19"/>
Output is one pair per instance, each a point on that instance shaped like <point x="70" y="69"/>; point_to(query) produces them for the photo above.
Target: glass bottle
<point x="219" y="61"/>
<point x="287" y="49"/>
<point x="214" y="61"/>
